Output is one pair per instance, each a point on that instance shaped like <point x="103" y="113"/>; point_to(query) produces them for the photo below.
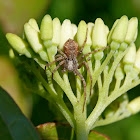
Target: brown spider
<point x="70" y="59"/>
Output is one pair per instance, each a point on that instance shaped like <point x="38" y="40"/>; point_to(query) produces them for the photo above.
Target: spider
<point x="70" y="59"/>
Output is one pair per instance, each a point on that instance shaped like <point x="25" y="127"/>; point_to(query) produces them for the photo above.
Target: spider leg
<point x="83" y="44"/>
<point x="82" y="57"/>
<point x="61" y="63"/>
<point x="85" y="63"/>
<point x="58" y="59"/>
<point x="84" y="83"/>
<point x="63" y="54"/>
<point x="58" y="55"/>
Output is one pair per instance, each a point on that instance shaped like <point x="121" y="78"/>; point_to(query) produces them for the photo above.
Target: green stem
<point x="78" y="86"/>
<point x="112" y="119"/>
<point x="80" y="118"/>
<point x="98" y="71"/>
<point x="58" y="101"/>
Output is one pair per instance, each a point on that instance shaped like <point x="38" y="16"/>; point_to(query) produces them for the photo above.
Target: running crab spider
<point x="70" y="59"/>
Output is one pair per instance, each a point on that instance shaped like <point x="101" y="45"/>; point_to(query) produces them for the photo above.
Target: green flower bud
<point x="109" y="39"/>
<point x="56" y="31"/>
<point x="35" y="42"/>
<point x="114" y="45"/>
<point x="130" y="57"/>
<point x="132" y="29"/>
<point x="90" y="29"/>
<point x="34" y="24"/>
<point x="33" y="38"/>
<point x="106" y="29"/>
<point x="11" y="53"/>
<point x="119" y="74"/>
<point x="98" y="55"/>
<point x="46" y="29"/>
<point x="19" y="44"/>
<point x="81" y="32"/>
<point x="66" y="32"/>
<point x="99" y="35"/>
<point x="128" y="68"/>
<point x="123" y="46"/>
<point x="137" y="60"/>
<point x="74" y="30"/>
<point x="120" y="30"/>
<point x="134" y="105"/>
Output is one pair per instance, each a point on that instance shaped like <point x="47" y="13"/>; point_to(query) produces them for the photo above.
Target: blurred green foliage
<point x="13" y="15"/>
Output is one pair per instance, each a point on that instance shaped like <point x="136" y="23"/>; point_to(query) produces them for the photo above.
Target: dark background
<point x="14" y="14"/>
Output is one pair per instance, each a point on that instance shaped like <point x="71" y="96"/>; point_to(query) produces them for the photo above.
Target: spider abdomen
<point x="71" y="48"/>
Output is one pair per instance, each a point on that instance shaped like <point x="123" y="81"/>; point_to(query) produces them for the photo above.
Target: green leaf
<point x="13" y="124"/>
<point x="61" y="131"/>
<point x="97" y="136"/>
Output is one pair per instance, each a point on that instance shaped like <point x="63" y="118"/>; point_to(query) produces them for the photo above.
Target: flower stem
<point x="80" y="118"/>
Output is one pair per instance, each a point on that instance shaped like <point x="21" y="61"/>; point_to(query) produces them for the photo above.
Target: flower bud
<point x="99" y="35"/>
<point x="34" y="24"/>
<point x="120" y="30"/>
<point x="132" y="29"/>
<point x="106" y="29"/>
<point x="35" y="42"/>
<point x="109" y="39"/>
<point x="66" y="32"/>
<point x="11" y="53"/>
<point x="33" y="38"/>
<point x="19" y="44"/>
<point x="46" y="28"/>
<point x="134" y="105"/>
<point x="56" y="31"/>
<point x="130" y="57"/>
<point x="119" y="74"/>
<point x="74" y="30"/>
<point x="137" y="60"/>
<point x="123" y="46"/>
<point x="90" y="29"/>
<point x="81" y="32"/>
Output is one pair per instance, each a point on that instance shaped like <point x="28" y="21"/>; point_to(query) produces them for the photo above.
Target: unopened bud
<point x="34" y="24"/>
<point x="132" y="29"/>
<point x="56" y="31"/>
<point x="66" y="32"/>
<point x="119" y="74"/>
<point x="134" y="105"/>
<point x="137" y="60"/>
<point x="130" y="57"/>
<point x="120" y="30"/>
<point x="19" y="44"/>
<point x="46" y="28"/>
<point x="81" y="32"/>
<point x="99" y="35"/>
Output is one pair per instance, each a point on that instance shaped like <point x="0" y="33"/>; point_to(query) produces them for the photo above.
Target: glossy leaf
<point x="13" y="124"/>
<point x="55" y="131"/>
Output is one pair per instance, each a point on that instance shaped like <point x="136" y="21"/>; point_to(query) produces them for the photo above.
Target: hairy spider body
<point x="70" y="59"/>
<point x="71" y="49"/>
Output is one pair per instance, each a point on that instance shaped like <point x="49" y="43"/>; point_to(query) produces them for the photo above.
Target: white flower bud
<point x="66" y="32"/>
<point x="99" y="35"/>
<point x="120" y="30"/>
<point x="130" y="57"/>
<point x="81" y="32"/>
<point x="56" y="31"/>
<point x="137" y="60"/>
<point x="46" y="29"/>
<point x="34" y="24"/>
<point x="134" y="105"/>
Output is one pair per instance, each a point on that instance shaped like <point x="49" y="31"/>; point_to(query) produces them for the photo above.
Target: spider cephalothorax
<point x="71" y="59"/>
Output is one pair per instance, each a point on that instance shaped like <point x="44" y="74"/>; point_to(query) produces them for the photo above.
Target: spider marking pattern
<point x="72" y="59"/>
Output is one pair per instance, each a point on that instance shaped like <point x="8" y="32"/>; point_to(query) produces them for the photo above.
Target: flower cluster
<point x="114" y="70"/>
